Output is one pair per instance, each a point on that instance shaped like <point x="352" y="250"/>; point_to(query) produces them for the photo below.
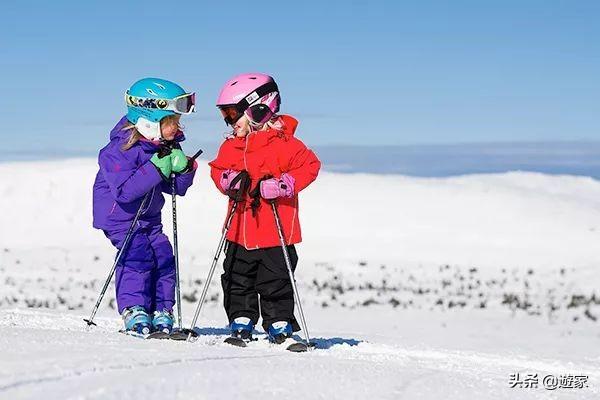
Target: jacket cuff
<point x="157" y="175"/>
<point x="190" y="168"/>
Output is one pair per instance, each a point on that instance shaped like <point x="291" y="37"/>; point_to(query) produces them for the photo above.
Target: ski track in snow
<point x="68" y="360"/>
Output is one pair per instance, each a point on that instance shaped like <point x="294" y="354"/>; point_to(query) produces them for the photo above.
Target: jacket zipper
<point x="149" y="202"/>
<point x="246" y="167"/>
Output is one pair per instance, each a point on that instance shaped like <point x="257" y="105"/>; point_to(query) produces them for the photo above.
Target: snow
<point x="415" y="288"/>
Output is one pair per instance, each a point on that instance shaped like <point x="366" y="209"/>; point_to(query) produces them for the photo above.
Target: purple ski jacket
<point x="125" y="177"/>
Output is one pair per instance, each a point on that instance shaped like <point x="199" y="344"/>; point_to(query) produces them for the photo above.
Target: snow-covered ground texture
<point x="414" y="288"/>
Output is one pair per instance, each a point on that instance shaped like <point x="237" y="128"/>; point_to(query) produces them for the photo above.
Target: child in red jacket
<point x="279" y="167"/>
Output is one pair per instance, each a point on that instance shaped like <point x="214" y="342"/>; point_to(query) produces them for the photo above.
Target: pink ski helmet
<point x="253" y="94"/>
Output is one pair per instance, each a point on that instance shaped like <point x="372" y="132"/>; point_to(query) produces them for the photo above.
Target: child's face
<point x="242" y="127"/>
<point x="169" y="127"/>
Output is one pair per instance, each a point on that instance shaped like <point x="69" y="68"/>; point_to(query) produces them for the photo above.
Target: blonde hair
<point x="133" y="138"/>
<point x="135" y="135"/>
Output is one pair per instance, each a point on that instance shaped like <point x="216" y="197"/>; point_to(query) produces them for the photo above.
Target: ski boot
<point x="137" y="320"/>
<point x="279" y="332"/>
<point x="241" y="332"/>
<point x="163" y="321"/>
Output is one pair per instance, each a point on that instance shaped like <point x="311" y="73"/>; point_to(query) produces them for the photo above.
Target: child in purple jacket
<point x="130" y="167"/>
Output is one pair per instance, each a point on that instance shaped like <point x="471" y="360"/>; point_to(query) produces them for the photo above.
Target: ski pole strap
<point x="244" y="180"/>
<point x="255" y="194"/>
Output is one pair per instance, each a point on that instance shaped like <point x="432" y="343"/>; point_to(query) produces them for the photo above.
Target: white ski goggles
<point x="184" y="104"/>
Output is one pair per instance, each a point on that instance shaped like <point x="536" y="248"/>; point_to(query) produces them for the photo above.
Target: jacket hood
<point x="118" y="131"/>
<point x="288" y="124"/>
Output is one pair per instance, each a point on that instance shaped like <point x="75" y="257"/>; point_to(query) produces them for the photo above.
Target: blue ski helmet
<point x="150" y="88"/>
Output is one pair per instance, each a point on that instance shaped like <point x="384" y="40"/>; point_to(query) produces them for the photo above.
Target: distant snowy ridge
<point x="503" y="220"/>
<point x="580" y="158"/>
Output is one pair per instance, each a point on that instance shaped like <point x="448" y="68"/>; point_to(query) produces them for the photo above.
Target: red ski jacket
<point x="269" y="152"/>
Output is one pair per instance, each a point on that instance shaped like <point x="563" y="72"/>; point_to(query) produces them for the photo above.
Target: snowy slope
<point x="448" y="360"/>
<point x="414" y="288"/>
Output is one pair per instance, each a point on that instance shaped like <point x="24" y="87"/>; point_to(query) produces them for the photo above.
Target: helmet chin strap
<point x="253" y="128"/>
<point x="150" y="130"/>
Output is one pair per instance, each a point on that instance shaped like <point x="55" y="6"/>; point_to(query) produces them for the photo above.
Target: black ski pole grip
<point x="191" y="161"/>
<point x="198" y="153"/>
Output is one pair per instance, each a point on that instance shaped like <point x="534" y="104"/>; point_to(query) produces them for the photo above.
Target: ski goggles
<point x="231" y="114"/>
<point x="257" y="114"/>
<point x="184" y="104"/>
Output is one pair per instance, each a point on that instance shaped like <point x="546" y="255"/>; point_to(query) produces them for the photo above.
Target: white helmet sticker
<point x="252" y="97"/>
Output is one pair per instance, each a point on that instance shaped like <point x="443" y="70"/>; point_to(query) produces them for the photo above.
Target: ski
<point x="181" y="334"/>
<point x="294" y="347"/>
<point x="153" y="335"/>
<point x="158" y="335"/>
<point x="297" y="347"/>
<point x="235" y="341"/>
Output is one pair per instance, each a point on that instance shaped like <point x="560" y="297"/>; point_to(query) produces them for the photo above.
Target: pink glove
<point x="226" y="179"/>
<point x="273" y="188"/>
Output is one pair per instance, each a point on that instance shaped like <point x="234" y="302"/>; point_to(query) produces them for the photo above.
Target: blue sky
<point x="372" y="72"/>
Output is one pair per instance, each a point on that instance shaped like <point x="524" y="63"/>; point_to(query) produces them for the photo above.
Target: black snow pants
<point x="250" y="274"/>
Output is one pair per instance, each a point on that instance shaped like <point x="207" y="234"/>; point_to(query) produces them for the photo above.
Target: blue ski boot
<point x="279" y="331"/>
<point x="137" y="320"/>
<point x="163" y="321"/>
<point x="242" y="327"/>
<point x="241" y="332"/>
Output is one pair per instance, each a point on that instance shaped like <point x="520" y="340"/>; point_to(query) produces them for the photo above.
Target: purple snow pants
<point x="145" y="275"/>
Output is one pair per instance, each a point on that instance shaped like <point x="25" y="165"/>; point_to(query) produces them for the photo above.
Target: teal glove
<point x="163" y="164"/>
<point x="179" y="160"/>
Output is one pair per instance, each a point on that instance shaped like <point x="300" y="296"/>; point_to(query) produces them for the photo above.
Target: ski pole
<point x="90" y="321"/>
<point x="212" y="270"/>
<point x="286" y="256"/>
<point x="244" y="180"/>
<point x="176" y="247"/>
<point x="175" y="239"/>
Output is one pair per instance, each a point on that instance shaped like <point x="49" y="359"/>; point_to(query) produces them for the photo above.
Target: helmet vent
<point x="234" y="83"/>
<point x="152" y="92"/>
<point x="252" y="77"/>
